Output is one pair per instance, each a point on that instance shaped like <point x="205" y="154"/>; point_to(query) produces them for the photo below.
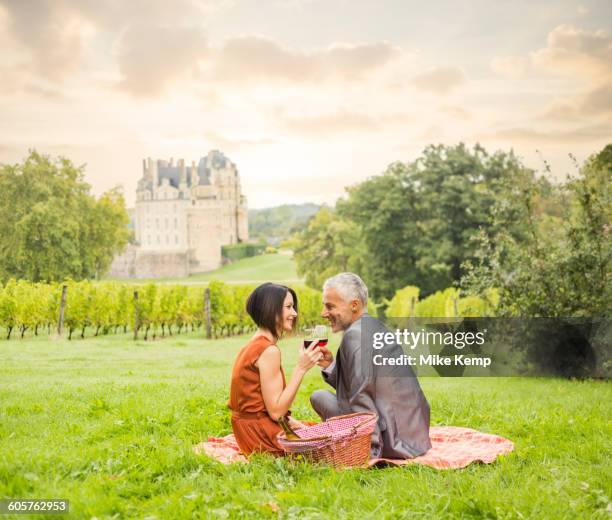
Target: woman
<point x="259" y="395"/>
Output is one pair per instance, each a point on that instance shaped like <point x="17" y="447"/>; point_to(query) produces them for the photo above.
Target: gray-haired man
<point x="402" y="430"/>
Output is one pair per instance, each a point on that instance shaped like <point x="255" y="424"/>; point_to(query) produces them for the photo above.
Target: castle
<point x="183" y="215"/>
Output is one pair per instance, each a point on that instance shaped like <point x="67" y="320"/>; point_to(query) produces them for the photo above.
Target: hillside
<point x="276" y="267"/>
<point x="276" y="224"/>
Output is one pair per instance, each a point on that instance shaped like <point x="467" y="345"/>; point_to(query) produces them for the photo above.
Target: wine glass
<point x="321" y="332"/>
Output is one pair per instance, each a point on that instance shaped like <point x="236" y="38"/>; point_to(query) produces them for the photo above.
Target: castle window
<point x="167" y="240"/>
<point x="166" y="223"/>
<point x="175" y="223"/>
<point x="158" y="239"/>
<point x="176" y="239"/>
<point x="157" y="223"/>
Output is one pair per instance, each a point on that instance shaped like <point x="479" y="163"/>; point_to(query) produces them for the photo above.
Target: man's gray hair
<point x="349" y="286"/>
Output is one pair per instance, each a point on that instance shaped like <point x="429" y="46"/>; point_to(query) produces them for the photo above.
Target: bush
<point x="235" y="252"/>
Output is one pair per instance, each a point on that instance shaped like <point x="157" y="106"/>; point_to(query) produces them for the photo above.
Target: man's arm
<point x="358" y="373"/>
<point x="329" y="367"/>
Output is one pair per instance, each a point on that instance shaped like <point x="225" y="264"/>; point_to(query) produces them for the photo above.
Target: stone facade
<point x="183" y="216"/>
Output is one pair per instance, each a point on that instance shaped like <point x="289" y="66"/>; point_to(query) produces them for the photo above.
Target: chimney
<point x="193" y="174"/>
<point x="182" y="172"/>
<point x="153" y="172"/>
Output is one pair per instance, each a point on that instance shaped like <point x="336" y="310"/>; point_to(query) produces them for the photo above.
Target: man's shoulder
<point x="360" y="333"/>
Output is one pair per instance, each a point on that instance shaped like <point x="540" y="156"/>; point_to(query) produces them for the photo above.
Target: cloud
<point x="157" y="44"/>
<point x="586" y="134"/>
<point x="573" y="53"/>
<point x="59" y="35"/>
<point x="597" y="103"/>
<point x="576" y="52"/>
<point x="569" y="51"/>
<point x="253" y="58"/>
<point x="511" y="67"/>
<point x="441" y="80"/>
<point x="582" y="10"/>
<point x="333" y="123"/>
<point x="52" y="32"/>
<point x="217" y="140"/>
<point x="152" y="58"/>
<point x="455" y="112"/>
<point x="44" y="92"/>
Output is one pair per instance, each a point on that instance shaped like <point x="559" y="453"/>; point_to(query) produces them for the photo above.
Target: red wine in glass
<point x="320" y="343"/>
<point x="319" y="334"/>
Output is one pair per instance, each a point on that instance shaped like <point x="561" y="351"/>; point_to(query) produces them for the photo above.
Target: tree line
<point x="473" y="221"/>
<point x="154" y="310"/>
<point x="159" y="310"/>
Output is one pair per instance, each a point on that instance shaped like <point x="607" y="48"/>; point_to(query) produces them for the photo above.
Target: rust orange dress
<point x="253" y="428"/>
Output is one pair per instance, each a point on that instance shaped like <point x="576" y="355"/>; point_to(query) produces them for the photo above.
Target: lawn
<point x="273" y="267"/>
<point x="109" y="424"/>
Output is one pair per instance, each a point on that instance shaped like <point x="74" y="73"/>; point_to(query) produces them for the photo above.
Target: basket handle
<point x="365" y="421"/>
<point x="340" y="417"/>
<point x="373" y="417"/>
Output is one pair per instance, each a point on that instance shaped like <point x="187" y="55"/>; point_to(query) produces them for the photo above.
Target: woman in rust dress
<point x="259" y="394"/>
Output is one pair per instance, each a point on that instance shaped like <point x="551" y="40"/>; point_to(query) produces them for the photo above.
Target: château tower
<point x="185" y="214"/>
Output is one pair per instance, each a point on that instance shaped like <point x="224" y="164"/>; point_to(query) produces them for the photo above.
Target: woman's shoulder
<point x="270" y="355"/>
<point x="256" y="345"/>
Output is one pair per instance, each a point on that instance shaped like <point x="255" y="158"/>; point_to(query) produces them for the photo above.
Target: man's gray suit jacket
<point x="392" y="392"/>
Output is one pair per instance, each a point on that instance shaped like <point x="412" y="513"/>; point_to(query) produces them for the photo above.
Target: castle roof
<point x="214" y="160"/>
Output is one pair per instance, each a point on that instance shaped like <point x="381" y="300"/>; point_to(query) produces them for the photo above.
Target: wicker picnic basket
<point x="340" y="441"/>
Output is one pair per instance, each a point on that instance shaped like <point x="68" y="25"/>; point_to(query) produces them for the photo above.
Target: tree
<point x="328" y="245"/>
<point x="456" y="190"/>
<point x="561" y="265"/>
<point x="384" y="209"/>
<point x="51" y="228"/>
<point x="106" y="231"/>
<point x="416" y="219"/>
<point x="560" y="269"/>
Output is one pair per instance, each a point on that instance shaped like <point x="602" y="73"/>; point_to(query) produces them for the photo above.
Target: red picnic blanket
<point x="451" y="447"/>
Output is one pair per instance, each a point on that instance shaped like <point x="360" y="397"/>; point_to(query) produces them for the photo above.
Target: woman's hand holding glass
<point x="310" y="356"/>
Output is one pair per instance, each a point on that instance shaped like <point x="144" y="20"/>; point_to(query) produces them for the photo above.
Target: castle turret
<point x="193" y="174"/>
<point x="182" y="171"/>
<point x="153" y="172"/>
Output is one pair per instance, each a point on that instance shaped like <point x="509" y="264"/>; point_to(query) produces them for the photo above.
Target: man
<point x="393" y="393"/>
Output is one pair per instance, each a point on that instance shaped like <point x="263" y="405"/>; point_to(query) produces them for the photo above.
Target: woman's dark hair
<point x="265" y="306"/>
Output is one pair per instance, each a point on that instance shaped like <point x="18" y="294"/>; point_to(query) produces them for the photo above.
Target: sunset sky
<point x="305" y="96"/>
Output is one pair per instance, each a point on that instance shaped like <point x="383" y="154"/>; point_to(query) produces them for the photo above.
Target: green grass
<point x="109" y="424"/>
<point x="274" y="267"/>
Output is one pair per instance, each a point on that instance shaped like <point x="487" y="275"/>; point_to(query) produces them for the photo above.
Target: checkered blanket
<point x="451" y="447"/>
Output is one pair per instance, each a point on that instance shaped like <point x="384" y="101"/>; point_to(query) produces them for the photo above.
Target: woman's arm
<point x="276" y="399"/>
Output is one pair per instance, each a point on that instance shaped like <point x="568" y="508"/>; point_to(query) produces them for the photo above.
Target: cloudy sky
<point x="305" y="96"/>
